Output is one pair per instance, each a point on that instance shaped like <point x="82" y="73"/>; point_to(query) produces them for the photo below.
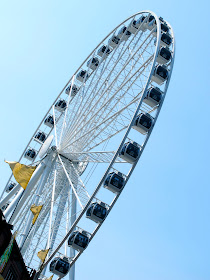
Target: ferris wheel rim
<point x="131" y="122"/>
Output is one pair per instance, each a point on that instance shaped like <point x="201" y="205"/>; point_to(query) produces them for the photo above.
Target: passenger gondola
<point x="164" y="55"/>
<point x="10" y="186"/>
<point x="40" y="137"/>
<point x="133" y="26"/>
<point x="143" y="123"/>
<point x="60" y="105"/>
<point x="114" y="182"/>
<point x="49" y="121"/>
<point x="153" y="97"/>
<point x="82" y="76"/>
<point x="130" y="152"/>
<point x="4" y="207"/>
<point x="160" y="74"/>
<point x="124" y="33"/>
<point x="165" y="39"/>
<point x="74" y="90"/>
<point x="78" y="240"/>
<point x="164" y="29"/>
<point x="97" y="212"/>
<point x="141" y="23"/>
<point x="93" y="63"/>
<point x="114" y="41"/>
<point x="30" y="154"/>
<point x="151" y="22"/>
<point x="60" y="266"/>
<point x="104" y="51"/>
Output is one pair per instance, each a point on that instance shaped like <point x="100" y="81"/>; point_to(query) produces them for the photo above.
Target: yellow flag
<point x="42" y="254"/>
<point x="35" y="210"/>
<point x="21" y="172"/>
<point x="50" y="278"/>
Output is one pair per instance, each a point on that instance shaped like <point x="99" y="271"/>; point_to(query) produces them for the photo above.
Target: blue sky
<point x="159" y="228"/>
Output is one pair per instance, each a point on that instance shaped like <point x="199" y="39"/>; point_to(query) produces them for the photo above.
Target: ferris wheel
<point x="89" y="142"/>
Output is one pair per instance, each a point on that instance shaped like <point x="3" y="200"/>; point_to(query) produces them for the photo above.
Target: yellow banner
<point x="35" y="210"/>
<point x="42" y="254"/>
<point x="21" y="172"/>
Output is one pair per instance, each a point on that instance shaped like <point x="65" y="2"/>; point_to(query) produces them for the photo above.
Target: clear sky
<point x="159" y="229"/>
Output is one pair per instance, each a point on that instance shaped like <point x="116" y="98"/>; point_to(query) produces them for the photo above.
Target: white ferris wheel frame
<point x="45" y="165"/>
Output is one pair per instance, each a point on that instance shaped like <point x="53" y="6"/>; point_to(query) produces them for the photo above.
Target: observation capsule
<point x="124" y="33"/>
<point x="165" y="40"/>
<point x="130" y="152"/>
<point x="60" y="105"/>
<point x="164" y="55"/>
<point x="49" y="121"/>
<point x="114" y="41"/>
<point x="30" y="154"/>
<point x="78" y="240"/>
<point x="82" y="76"/>
<point x="60" y="266"/>
<point x="114" y="182"/>
<point x="40" y="137"/>
<point x="104" y="51"/>
<point x="153" y="97"/>
<point x="160" y="74"/>
<point x="74" y="90"/>
<point x="93" y="63"/>
<point x="97" y="212"/>
<point x="10" y="186"/>
<point x="143" y="123"/>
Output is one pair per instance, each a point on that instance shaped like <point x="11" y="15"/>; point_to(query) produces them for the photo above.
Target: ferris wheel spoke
<point x="106" y="118"/>
<point x="30" y="254"/>
<point x="83" y="101"/>
<point x="55" y="126"/>
<point x="54" y="227"/>
<point x="66" y="111"/>
<point x="105" y="105"/>
<point x="70" y="182"/>
<point x="99" y="156"/>
<point x="80" y="182"/>
<point x="129" y="59"/>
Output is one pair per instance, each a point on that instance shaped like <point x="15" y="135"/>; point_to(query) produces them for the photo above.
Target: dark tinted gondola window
<point x="52" y="264"/>
<point x="164" y="27"/>
<point x="115" y="40"/>
<point x="70" y="241"/>
<point x="81" y="240"/>
<point x="134" y="22"/>
<point x="11" y="186"/>
<point x="99" y="211"/>
<point x="123" y="150"/>
<point x="132" y="150"/>
<point x="143" y="18"/>
<point x="88" y="213"/>
<point x="117" y="181"/>
<point x="166" y="39"/>
<point x="145" y="121"/>
<point x="62" y="266"/>
<point x="154" y="94"/>
<point x="151" y="18"/>
<point x="50" y="120"/>
<point x="82" y="74"/>
<point x="162" y="72"/>
<point x="105" y="48"/>
<point x="107" y="180"/>
<point x="165" y="53"/>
